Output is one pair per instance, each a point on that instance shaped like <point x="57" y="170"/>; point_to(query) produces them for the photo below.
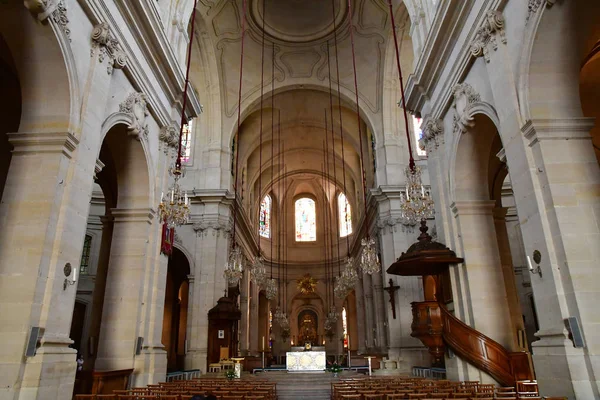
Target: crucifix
<point x="392" y="292"/>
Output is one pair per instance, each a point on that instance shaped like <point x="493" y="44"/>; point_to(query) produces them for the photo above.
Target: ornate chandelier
<point x="417" y="204"/>
<point x="333" y="314"/>
<point x="347" y="280"/>
<point x="258" y="273"/>
<point x="271" y="289"/>
<point x="174" y="208"/>
<point x="234" y="269"/>
<point x="369" y="260"/>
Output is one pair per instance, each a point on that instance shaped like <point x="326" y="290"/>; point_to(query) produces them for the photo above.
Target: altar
<point x="305" y="361"/>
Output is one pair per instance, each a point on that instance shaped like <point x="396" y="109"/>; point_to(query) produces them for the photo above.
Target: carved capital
<point x="203" y="227"/>
<point x="137" y="107"/>
<point x="53" y="10"/>
<point x="465" y="97"/>
<point x="433" y="135"/>
<point x="486" y="36"/>
<point x="108" y="48"/>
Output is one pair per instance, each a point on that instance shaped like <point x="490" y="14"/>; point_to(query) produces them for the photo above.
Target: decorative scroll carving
<point x="136" y="106"/>
<point x="392" y="223"/>
<point x="50" y="9"/>
<point x="433" y="134"/>
<point x="201" y="228"/>
<point x="108" y="47"/>
<point x="465" y="97"/>
<point x="486" y="35"/>
<point x="169" y="137"/>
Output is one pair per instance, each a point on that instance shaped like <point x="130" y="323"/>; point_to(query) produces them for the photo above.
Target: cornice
<point x="156" y="51"/>
<point x="425" y="80"/>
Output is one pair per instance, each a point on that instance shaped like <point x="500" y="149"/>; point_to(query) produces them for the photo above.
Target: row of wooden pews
<point x="222" y="389"/>
<point x="395" y="388"/>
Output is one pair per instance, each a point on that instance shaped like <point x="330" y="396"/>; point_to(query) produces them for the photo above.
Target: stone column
<point x="481" y="275"/>
<point x="379" y="307"/>
<point x="211" y="248"/>
<point x="395" y="238"/>
<point x="360" y="318"/>
<point x="120" y="325"/>
<point x="254" y="339"/>
<point x="43" y="224"/>
<point x="369" y="317"/>
<point x="245" y="309"/>
<point x="514" y="306"/>
<point x="99" y="289"/>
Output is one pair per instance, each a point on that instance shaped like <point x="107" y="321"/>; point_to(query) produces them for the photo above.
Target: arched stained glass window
<point x="265" y="217"/>
<point x="186" y="142"/>
<point x="418" y="132"/>
<point x="345" y="215"/>
<point x="306" y="220"/>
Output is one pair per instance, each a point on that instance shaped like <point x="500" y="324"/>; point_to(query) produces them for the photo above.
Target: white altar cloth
<point x="305" y="361"/>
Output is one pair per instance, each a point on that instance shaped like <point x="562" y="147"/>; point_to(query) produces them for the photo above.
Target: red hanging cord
<point x="411" y="162"/>
<point x="362" y="159"/>
<point x="262" y="91"/>
<point x="237" y="133"/>
<point x="272" y="148"/>
<point x="185" y="89"/>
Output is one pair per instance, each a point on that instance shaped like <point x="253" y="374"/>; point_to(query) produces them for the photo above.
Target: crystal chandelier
<point x="234" y="269"/>
<point x="258" y="273"/>
<point x="347" y="280"/>
<point x="333" y="314"/>
<point x="417" y="204"/>
<point x="174" y="208"/>
<point x="369" y="261"/>
<point x="270" y="289"/>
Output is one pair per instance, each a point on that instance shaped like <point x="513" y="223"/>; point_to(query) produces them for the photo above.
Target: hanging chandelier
<point x="271" y="289"/>
<point x="347" y="280"/>
<point x="174" y="208"/>
<point x="417" y="204"/>
<point x="369" y="260"/>
<point x="234" y="269"/>
<point x="333" y="314"/>
<point x="258" y="273"/>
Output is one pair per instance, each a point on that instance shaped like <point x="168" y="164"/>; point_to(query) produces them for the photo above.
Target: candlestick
<point x="263" y="344"/>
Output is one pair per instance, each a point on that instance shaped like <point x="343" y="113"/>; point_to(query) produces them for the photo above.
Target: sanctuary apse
<point x="294" y="135"/>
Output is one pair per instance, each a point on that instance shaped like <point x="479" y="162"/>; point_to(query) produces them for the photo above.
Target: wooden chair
<point x="373" y="396"/>
<point x="106" y="397"/>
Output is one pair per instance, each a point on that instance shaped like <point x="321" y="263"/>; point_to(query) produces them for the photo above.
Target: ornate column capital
<point x="108" y="47"/>
<point x="203" y="226"/>
<point x="493" y="25"/>
<point x="53" y="10"/>
<point x="433" y="134"/>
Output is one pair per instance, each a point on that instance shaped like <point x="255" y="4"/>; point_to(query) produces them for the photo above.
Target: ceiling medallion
<point x="307" y="284"/>
<point x="297" y="21"/>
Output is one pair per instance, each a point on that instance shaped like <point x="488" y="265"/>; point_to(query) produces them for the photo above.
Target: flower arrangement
<point x="230" y="374"/>
<point x="335" y="369"/>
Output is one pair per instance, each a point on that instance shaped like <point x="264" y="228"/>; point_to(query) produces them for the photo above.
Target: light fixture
<point x="417" y="204"/>
<point x="347" y="279"/>
<point x="70" y="275"/>
<point x="369" y="260"/>
<point x="234" y="269"/>
<point x="174" y="209"/>
<point x="258" y="273"/>
<point x="271" y="289"/>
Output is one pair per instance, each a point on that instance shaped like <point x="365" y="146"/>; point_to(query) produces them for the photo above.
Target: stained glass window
<point x="345" y="215"/>
<point x="345" y="326"/>
<point x="265" y="217"/>
<point x="306" y="221"/>
<point x="417" y="122"/>
<point x="186" y="142"/>
<point x="84" y="266"/>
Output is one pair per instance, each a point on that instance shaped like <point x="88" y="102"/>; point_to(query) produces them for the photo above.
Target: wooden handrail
<point x="433" y="323"/>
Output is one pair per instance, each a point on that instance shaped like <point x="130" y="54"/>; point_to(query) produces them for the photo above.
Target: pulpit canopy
<point x="425" y="257"/>
<point x="226" y="309"/>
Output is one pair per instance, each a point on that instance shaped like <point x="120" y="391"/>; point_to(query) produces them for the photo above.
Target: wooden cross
<point x="392" y="292"/>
